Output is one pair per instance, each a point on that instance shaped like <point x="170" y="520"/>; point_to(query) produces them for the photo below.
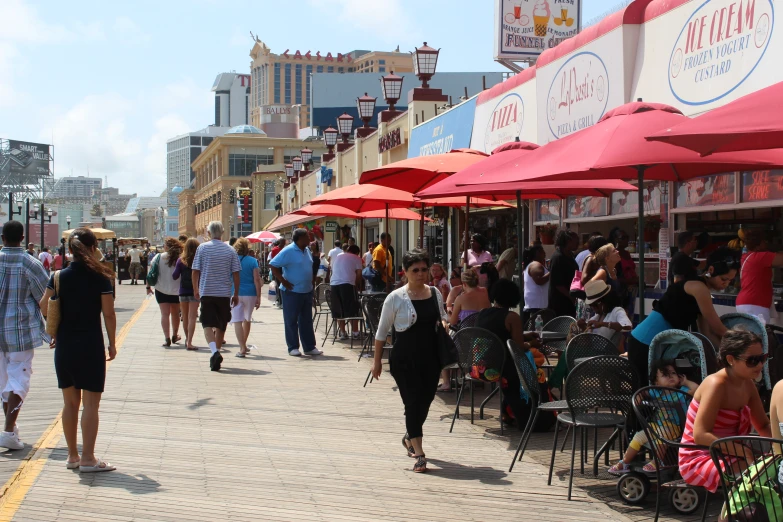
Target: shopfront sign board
<point x="447" y="131"/>
<point x="526" y="28"/>
<point x="704" y="54"/>
<point x="332" y="226"/>
<point x="708" y="190"/>
<point x="503" y="115"/>
<point x="762" y="185"/>
<point x="586" y="206"/>
<point x="547" y="210"/>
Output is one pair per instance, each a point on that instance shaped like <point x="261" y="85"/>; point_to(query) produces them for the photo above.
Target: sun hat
<point x="595" y="290"/>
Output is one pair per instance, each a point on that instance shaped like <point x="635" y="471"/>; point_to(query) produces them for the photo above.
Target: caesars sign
<point x="578" y="95"/>
<point x="526" y="28"/>
<point x="24" y="157"/>
<point x="718" y="48"/>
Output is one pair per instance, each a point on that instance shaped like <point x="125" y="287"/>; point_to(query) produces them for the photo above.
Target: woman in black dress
<point x="85" y="292"/>
<point x="413" y="311"/>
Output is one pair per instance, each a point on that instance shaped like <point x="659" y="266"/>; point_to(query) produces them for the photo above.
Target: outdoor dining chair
<point x="371" y="306"/>
<point x="321" y="305"/>
<point x="588" y="345"/>
<point x="481" y="358"/>
<point x="598" y="394"/>
<point x="561" y="325"/>
<point x="750" y="492"/>
<point x="528" y="377"/>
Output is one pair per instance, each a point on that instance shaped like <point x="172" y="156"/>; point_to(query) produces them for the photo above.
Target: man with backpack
<point x="46" y="259"/>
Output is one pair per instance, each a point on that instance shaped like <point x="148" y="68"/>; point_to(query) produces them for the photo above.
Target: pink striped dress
<point x="696" y="465"/>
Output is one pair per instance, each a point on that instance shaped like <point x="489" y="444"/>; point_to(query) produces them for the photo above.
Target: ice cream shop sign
<point x="719" y="47"/>
<point x="526" y="28"/>
<point x="578" y="94"/>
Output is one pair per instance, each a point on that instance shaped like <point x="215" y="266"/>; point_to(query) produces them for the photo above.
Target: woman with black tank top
<point x="682" y="304"/>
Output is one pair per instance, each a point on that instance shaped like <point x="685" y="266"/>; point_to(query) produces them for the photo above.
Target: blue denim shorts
<point x="187" y="299"/>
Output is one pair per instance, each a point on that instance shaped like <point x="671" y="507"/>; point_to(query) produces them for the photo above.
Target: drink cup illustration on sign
<point x="564" y="19"/>
<point x="541" y="14"/>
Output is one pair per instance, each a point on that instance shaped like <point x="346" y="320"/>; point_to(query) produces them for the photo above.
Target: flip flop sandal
<point x="176" y="339"/>
<point x="649" y="467"/>
<point x="444" y="390"/>
<point x="72" y="465"/>
<point x="192" y="349"/>
<point x="240" y="354"/>
<point x="421" y="464"/>
<point x="97" y="468"/>
<point x="167" y="343"/>
<point x="408" y="446"/>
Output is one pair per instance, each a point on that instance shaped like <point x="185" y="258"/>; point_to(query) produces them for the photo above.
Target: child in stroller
<point x="662" y="373"/>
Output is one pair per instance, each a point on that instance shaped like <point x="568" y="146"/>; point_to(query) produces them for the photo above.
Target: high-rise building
<point x="282" y="81"/>
<point x="76" y="186"/>
<point x="232" y="92"/>
<point x="183" y="150"/>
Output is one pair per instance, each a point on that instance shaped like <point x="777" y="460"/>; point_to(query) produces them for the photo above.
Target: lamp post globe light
<point x="289" y="170"/>
<point x="297" y="163"/>
<point x="425" y="61"/>
<point x="391" y="86"/>
<point x="330" y="140"/>
<point x="366" y="108"/>
<point x="307" y="157"/>
<point x="345" y="126"/>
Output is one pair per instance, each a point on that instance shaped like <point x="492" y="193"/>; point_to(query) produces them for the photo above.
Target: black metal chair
<point x="481" y="357"/>
<point x="561" y="325"/>
<point x="528" y="377"/>
<point x="372" y="306"/>
<point x="604" y="384"/>
<point x="662" y="413"/>
<point x="334" y="326"/>
<point x="468" y="322"/>
<point x="321" y="304"/>
<point x="750" y="487"/>
<point x="588" y="345"/>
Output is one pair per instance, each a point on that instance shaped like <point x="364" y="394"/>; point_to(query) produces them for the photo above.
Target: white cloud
<point x="129" y="31"/>
<point x="364" y="16"/>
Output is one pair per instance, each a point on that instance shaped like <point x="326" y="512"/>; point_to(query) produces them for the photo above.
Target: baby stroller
<point x="686" y="350"/>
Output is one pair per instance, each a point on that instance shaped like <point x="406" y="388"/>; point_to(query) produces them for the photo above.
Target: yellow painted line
<point x="15" y="489"/>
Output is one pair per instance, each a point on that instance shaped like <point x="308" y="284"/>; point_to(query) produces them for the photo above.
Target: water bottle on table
<point x="539" y="324"/>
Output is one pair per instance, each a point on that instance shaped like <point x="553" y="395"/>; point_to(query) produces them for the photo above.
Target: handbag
<point x="577" y="290"/>
<point x="272" y="292"/>
<point x="53" y="316"/>
<point x="152" y="275"/>
<point x="448" y="355"/>
<point x="372" y="276"/>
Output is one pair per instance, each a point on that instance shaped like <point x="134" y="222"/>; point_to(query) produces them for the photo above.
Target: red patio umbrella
<point x="414" y="174"/>
<point x="753" y="122"/>
<point x="325" y="210"/>
<point x="263" y="236"/>
<point x="394" y="213"/>
<point x="616" y="148"/>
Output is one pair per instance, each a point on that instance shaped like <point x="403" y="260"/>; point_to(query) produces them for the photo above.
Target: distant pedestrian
<point x="346" y="273"/>
<point x="215" y="267"/>
<point x="167" y="290"/>
<point x="134" y="254"/>
<point x="249" y="295"/>
<point x="58" y="261"/>
<point x="336" y="251"/>
<point x="31" y="250"/>
<point x="46" y="259"/>
<point x="278" y="246"/>
<point x="84" y="290"/>
<point x="188" y="304"/>
<point x="22" y="285"/>
<point x="293" y="270"/>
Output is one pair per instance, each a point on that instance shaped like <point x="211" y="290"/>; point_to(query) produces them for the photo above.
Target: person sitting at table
<point x="755" y="295"/>
<point x="609" y="319"/>
<point x="536" y="282"/>
<point x="683" y="303"/>
<point x="439" y="280"/>
<point x="725" y="405"/>
<point x="455" y="281"/>
<point x="504" y="323"/>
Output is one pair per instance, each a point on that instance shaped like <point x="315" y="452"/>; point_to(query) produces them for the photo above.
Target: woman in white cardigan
<point x="413" y="311"/>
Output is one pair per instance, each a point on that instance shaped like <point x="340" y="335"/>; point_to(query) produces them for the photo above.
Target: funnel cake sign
<point x="719" y="47"/>
<point x="578" y="94"/>
<point x="526" y="28"/>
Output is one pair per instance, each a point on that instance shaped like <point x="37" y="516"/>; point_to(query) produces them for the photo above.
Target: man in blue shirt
<point x="293" y="270"/>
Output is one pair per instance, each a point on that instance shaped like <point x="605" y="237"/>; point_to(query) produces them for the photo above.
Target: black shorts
<point x="162" y="298"/>
<point x="344" y="303"/>
<point x="215" y="312"/>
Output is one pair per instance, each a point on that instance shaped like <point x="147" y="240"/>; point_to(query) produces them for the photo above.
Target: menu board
<point x="761" y="185"/>
<point x="627" y="202"/>
<point x="709" y="190"/>
<point x="548" y="210"/>
<point x="587" y="206"/>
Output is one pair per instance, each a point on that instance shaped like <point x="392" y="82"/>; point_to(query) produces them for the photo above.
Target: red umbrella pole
<point x="467" y="219"/>
<point x="421" y="227"/>
<point x="361" y="234"/>
<point x="520" y="241"/>
<point x="388" y="255"/>
<point x="640" y="242"/>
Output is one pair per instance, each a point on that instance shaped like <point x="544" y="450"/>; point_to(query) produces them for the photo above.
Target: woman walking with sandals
<point x="167" y="289"/>
<point x="413" y="311"/>
<point x="188" y="304"/>
<point x="85" y="292"/>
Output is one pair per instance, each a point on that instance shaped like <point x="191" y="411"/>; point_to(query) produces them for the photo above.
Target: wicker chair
<point x="481" y="357"/>
<point x="528" y="377"/>
<point x="593" y="387"/>
<point x="588" y="345"/>
<point x="750" y="494"/>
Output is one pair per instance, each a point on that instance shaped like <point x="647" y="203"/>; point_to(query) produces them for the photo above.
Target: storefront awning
<point x="290" y="220"/>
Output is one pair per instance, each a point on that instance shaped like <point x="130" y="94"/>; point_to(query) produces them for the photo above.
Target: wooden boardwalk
<point x="272" y="437"/>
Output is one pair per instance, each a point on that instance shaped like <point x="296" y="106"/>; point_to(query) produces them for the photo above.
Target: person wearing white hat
<point x="610" y="318"/>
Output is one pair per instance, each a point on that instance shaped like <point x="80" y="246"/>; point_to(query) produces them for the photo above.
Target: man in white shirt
<point x="135" y="266"/>
<point x="336" y="251"/>
<point x="46" y="258"/>
<point x="367" y="259"/>
<point x="346" y="271"/>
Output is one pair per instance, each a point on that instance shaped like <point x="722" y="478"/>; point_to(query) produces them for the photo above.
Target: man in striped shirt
<point x="23" y="282"/>
<point x="215" y="268"/>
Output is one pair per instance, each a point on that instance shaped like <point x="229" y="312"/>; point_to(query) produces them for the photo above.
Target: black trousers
<point x="417" y="382"/>
<point x="638" y="354"/>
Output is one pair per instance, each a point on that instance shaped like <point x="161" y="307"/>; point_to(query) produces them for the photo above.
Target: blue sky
<point x="109" y="82"/>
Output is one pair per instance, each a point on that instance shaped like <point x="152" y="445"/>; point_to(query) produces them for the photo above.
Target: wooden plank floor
<point x="273" y="437"/>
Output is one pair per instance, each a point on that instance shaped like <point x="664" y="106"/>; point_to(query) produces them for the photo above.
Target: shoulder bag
<point x="577" y="290"/>
<point x="152" y="275"/>
<point x="53" y="313"/>
<point x="448" y="355"/>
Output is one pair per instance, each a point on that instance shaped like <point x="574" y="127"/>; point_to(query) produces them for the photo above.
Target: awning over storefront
<point x="290" y="220"/>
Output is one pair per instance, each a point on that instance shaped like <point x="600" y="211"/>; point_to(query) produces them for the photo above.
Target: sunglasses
<point x="755" y="360"/>
<point x="417" y="270"/>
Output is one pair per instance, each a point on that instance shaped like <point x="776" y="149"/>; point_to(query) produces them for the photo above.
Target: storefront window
<point x="761" y="185"/>
<point x="627" y="202"/>
<point x="547" y="210"/>
<point x="709" y="190"/>
<point x="587" y="206"/>
<point x="269" y="195"/>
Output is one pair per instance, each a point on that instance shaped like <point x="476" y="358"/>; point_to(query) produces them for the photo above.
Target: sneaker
<point x="621" y="468"/>
<point x="357" y="335"/>
<point x="10" y="440"/>
<point x="215" y="361"/>
<point x="295" y="353"/>
<point x="314" y="351"/>
<point x="341" y="336"/>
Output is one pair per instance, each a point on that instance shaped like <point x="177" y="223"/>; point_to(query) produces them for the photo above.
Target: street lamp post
<point x="63" y="257"/>
<point x="366" y="107"/>
<point x="296" y="161"/>
<point x="11" y="212"/>
<point x="46" y="217"/>
<point x="330" y="140"/>
<point x="344" y="125"/>
<point x="391" y="86"/>
<point x="27" y="218"/>
<point x="307" y="158"/>
<point x="425" y="61"/>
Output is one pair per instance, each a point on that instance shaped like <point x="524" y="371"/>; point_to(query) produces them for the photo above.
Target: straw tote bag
<point x="53" y="314"/>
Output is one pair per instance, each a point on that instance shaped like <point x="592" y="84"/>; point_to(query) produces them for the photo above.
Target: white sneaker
<point x="341" y="336"/>
<point x="314" y="351"/>
<point x="10" y="440"/>
<point x="295" y="353"/>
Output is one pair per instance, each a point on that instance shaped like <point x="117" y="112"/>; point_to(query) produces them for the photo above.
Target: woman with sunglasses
<point x="414" y="311"/>
<point x="726" y="404"/>
<point x="684" y="303"/>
